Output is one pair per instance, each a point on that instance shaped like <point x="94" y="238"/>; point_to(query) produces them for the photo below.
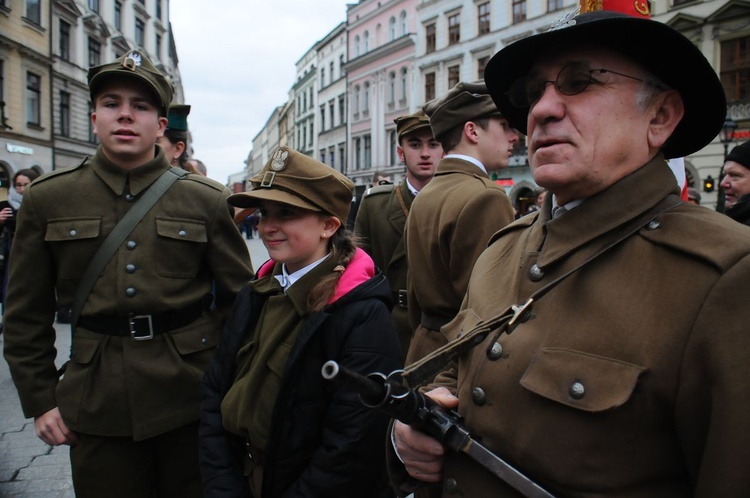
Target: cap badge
<point x="566" y="21"/>
<point x="268" y="178"/>
<point x="132" y="61"/>
<point x="278" y="162"/>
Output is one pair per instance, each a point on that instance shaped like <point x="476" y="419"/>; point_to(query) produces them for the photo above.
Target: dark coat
<point x="740" y="211"/>
<point x="323" y="441"/>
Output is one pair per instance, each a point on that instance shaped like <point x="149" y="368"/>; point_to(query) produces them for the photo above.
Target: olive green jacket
<point x="183" y="248"/>
<point x="380" y="225"/>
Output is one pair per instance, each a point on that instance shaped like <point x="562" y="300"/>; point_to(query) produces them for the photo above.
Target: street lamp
<point x="726" y="137"/>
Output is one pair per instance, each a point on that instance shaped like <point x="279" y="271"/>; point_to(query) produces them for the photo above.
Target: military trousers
<point x="164" y="466"/>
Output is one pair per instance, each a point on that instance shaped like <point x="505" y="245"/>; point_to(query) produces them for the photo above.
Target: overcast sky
<point x="237" y="61"/>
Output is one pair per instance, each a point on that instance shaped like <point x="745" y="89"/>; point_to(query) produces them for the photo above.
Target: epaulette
<point x="59" y="172"/>
<point x="205" y="181"/>
<point x="380" y="189"/>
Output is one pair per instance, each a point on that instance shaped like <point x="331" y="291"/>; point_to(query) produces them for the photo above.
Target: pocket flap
<point x="84" y="347"/>
<point x="190" y="230"/>
<point x="581" y="380"/>
<point x="72" y="229"/>
<point x="194" y="339"/>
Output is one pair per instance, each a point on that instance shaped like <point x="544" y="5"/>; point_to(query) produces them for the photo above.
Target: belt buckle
<point x="141" y="327"/>
<point x="402" y="300"/>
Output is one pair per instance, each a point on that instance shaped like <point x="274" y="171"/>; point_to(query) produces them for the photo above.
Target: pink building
<point x="381" y="44"/>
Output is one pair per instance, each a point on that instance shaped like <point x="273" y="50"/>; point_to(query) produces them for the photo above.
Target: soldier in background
<point x="454" y="217"/>
<point x="128" y="402"/>
<point x="175" y="137"/>
<point x="382" y="213"/>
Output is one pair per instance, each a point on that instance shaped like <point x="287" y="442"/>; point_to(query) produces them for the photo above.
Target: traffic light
<point x="709" y="184"/>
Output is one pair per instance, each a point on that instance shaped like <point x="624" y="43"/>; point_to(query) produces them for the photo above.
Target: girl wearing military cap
<point x="175" y="138"/>
<point x="270" y="424"/>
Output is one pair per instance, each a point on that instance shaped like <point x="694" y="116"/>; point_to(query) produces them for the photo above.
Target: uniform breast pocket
<point x="74" y="242"/>
<point x="181" y="244"/>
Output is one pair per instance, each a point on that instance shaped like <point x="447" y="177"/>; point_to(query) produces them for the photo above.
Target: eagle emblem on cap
<point x="132" y="61"/>
<point x="135" y="57"/>
<point x="278" y="162"/>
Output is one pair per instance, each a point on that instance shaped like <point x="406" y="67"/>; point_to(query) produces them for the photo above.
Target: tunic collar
<point x="138" y="179"/>
<point x="473" y="160"/>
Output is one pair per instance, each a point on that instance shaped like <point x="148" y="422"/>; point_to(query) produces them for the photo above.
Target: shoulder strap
<point x="118" y="235"/>
<point x="425" y="369"/>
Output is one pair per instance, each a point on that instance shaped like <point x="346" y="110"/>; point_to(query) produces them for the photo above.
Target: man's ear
<point x="162" y="126"/>
<point x="470" y="132"/>
<point x="400" y="152"/>
<point x="668" y="111"/>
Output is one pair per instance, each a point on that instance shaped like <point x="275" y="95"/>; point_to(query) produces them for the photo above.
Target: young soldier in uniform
<point x="128" y="402"/>
<point x="382" y="214"/>
<point x="175" y="137"/>
<point x="452" y="219"/>
<point x="628" y="374"/>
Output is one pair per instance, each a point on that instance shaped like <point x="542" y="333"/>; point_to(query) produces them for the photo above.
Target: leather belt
<point x="433" y="322"/>
<point x="400" y="298"/>
<point x="142" y="327"/>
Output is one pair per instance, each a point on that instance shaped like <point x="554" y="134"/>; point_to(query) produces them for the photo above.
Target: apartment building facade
<point x="25" y="74"/>
<point x="332" y="117"/>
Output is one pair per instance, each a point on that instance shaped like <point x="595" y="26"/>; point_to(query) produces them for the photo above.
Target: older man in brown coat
<point x="455" y="215"/>
<point x="628" y="373"/>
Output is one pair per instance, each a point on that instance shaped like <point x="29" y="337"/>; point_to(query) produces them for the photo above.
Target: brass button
<point x="131" y="244"/>
<point x="577" y="391"/>
<point x="130" y="268"/>
<point x="495" y="352"/>
<point x="536" y="273"/>
<point x="130" y="292"/>
<point x="478" y="396"/>
<point x="451" y="485"/>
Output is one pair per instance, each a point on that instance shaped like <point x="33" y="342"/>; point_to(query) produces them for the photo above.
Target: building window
<point x="65" y="114"/>
<point x="403" y="84"/>
<point x="367" y="41"/>
<point x="33" y="99"/>
<point x="454" y="29"/>
<point x="312" y="133"/>
<point x="357" y="153"/>
<point x="158" y="46"/>
<point x="368" y="152"/>
<point x="331" y="112"/>
<point x="429" y="86"/>
<point x="332" y="154"/>
<point x="118" y="16"/>
<point x="481" y="64"/>
<point x="356" y="101"/>
<point x="34" y="11"/>
<point x="342" y="159"/>
<point x="158" y="9"/>
<point x="392" y="88"/>
<point x="519" y="11"/>
<point x="453" y="76"/>
<point x="140" y="29"/>
<point x="3" y="115"/>
<point x="735" y="68"/>
<point x="331" y="72"/>
<point x="553" y="5"/>
<point x="404" y="28"/>
<point x="92" y="136"/>
<point x="392" y="139"/>
<point x="366" y="102"/>
<point x="64" y="40"/>
<point x="322" y="118"/>
<point x="356" y="46"/>
<point x="94" y="5"/>
<point x="341" y="66"/>
<point x="392" y="29"/>
<point x="95" y="52"/>
<point x="322" y="77"/>
<point x="483" y="17"/>
<point x="342" y="110"/>
<point x="430" y="38"/>
<point x="323" y="156"/>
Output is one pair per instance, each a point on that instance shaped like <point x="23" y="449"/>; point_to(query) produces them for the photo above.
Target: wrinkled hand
<point x="6" y="213"/>
<point x="51" y="429"/>
<point x="423" y="455"/>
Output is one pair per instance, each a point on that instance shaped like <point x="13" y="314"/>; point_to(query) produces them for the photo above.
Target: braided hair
<point x="342" y="245"/>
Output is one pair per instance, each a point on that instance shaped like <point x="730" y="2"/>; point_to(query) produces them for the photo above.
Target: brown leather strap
<point x="400" y="196"/>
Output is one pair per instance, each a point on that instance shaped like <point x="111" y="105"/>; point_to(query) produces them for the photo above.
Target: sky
<point x="237" y="62"/>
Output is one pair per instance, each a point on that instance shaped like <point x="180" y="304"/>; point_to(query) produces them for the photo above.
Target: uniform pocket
<point x="580" y="380"/>
<point x="76" y="382"/>
<point x="74" y="241"/>
<point x="181" y="243"/>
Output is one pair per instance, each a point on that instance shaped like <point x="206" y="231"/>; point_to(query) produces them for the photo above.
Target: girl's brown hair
<point x="342" y="245"/>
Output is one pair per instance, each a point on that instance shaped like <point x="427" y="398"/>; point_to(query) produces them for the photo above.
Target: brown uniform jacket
<point x="380" y="224"/>
<point x="185" y="246"/>
<point x="449" y="225"/>
<point x="631" y="378"/>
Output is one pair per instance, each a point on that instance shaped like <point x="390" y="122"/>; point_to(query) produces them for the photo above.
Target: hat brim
<point x="660" y="49"/>
<point x="255" y="198"/>
<point x="101" y="79"/>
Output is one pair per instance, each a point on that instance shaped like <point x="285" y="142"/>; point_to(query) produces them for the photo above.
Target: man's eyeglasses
<point x="572" y="79"/>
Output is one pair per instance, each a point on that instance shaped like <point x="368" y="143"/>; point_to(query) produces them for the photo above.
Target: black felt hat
<point x="660" y="49"/>
<point x="741" y="155"/>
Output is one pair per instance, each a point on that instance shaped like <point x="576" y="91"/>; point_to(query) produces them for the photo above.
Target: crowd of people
<point x="597" y="343"/>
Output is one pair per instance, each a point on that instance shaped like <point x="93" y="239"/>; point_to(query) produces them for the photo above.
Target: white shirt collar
<point x="288" y="279"/>
<point x="411" y="188"/>
<point x="473" y="160"/>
